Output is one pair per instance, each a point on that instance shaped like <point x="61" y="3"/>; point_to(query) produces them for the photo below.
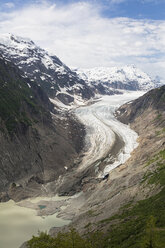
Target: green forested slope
<point x="20" y="100"/>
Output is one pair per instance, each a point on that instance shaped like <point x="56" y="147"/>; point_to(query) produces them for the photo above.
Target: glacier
<point x="101" y="129"/>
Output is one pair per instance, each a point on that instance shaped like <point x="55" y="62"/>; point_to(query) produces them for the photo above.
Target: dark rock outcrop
<point x="154" y="99"/>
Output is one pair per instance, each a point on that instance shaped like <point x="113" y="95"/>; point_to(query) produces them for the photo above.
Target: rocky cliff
<point x="152" y="102"/>
<point x="37" y="141"/>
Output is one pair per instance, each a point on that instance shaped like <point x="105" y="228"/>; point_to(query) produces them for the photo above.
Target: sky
<point x="92" y="33"/>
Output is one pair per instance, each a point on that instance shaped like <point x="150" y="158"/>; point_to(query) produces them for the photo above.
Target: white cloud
<point x="82" y="37"/>
<point x="9" y="5"/>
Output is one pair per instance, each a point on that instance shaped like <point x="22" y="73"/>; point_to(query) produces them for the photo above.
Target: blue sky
<point x="138" y="9"/>
<point x="92" y="33"/>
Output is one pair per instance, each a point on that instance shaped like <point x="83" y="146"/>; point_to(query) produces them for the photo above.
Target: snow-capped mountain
<point x="64" y="84"/>
<point x="127" y="77"/>
<point x="47" y="71"/>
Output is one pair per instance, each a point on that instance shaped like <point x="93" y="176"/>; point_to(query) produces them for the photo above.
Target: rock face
<point x="126" y="77"/>
<point x="36" y="142"/>
<point x="49" y="72"/>
<point x="154" y="99"/>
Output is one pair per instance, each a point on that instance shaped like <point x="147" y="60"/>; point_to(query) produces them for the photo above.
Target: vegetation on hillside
<point x="140" y="225"/>
<point x="18" y="103"/>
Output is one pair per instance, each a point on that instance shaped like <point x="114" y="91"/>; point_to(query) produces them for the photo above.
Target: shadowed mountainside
<point x="37" y="142"/>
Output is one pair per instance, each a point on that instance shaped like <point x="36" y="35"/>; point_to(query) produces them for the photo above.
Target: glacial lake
<point x="18" y="224"/>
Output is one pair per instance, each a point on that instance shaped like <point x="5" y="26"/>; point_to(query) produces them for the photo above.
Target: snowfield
<point x="102" y="128"/>
<point x="128" y="74"/>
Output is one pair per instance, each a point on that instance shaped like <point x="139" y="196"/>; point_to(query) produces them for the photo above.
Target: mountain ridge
<point x="48" y="71"/>
<point x="127" y="77"/>
<point x="64" y="84"/>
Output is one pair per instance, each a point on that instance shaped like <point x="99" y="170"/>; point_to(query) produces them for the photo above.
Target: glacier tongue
<point x="102" y="127"/>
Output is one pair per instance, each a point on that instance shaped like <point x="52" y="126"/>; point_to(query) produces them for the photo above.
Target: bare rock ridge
<point x="154" y="99"/>
<point x="37" y="144"/>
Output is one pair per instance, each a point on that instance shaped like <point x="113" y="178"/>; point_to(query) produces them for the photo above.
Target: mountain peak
<point x="47" y="71"/>
<point x="128" y="75"/>
<point x="60" y="82"/>
<point x="9" y="39"/>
